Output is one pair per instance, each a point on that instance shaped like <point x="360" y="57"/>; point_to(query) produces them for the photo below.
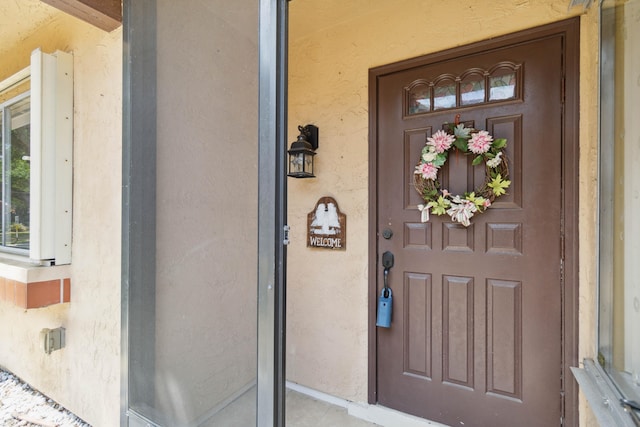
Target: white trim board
<point x="15" y="79"/>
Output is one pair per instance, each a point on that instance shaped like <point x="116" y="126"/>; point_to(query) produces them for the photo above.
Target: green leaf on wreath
<point x="499" y="143"/>
<point x="429" y="194"/>
<point x="477" y="160"/>
<point x="439" y="207"/>
<point x="440" y="159"/>
<point x="462" y="132"/>
<point x="461" y="144"/>
<point x="476" y="200"/>
<point x="499" y="186"/>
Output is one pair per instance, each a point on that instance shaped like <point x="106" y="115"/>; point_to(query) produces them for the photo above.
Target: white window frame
<point x="51" y="157"/>
<point x="5" y="151"/>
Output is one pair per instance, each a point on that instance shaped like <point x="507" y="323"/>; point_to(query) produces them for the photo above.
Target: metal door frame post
<point x="272" y="194"/>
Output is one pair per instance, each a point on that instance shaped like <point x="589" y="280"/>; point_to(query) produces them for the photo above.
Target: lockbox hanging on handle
<point x="386" y="296"/>
<point x="384" y="308"/>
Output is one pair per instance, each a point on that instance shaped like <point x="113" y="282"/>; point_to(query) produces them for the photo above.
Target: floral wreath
<point x="434" y="155"/>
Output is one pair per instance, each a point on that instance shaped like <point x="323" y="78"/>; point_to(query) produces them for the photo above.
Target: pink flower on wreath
<point x="428" y="171"/>
<point x="486" y="203"/>
<point x="480" y="142"/>
<point x="441" y="141"/>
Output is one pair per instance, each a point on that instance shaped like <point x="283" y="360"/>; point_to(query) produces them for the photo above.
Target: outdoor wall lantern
<point x="302" y="151"/>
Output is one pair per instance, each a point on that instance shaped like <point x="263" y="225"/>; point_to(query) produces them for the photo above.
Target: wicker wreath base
<point x="430" y="189"/>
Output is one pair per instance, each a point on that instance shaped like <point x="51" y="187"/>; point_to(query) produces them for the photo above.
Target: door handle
<point x="387" y="263"/>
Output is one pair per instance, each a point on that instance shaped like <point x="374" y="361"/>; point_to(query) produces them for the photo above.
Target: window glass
<point x="619" y="271"/>
<point x="472" y="87"/>
<point x="472" y="90"/>
<point x="419" y="99"/>
<point x="502" y="85"/>
<point x="15" y="173"/>
<point x="444" y="95"/>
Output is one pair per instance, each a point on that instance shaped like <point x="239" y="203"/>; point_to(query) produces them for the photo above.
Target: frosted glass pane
<point x="420" y="100"/>
<point x="472" y="90"/>
<point x="502" y="87"/>
<point x="444" y="95"/>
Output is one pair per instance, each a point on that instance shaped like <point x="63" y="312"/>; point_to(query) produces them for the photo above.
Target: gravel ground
<point x="20" y="405"/>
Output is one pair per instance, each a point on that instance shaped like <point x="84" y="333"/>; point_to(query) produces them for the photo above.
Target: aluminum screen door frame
<point x="272" y="195"/>
<point x="139" y="175"/>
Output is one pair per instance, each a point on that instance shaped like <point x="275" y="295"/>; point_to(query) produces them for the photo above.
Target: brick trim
<point x="35" y="294"/>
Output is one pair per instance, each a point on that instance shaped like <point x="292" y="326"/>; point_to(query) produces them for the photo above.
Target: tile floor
<point x="301" y="411"/>
<point x="305" y="411"/>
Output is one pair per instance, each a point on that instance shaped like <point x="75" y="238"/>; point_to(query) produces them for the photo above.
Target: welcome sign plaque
<point x="327" y="226"/>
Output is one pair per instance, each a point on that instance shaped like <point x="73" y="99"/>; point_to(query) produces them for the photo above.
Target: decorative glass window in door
<point x="473" y="87"/>
<point x="420" y="98"/>
<point x="444" y="94"/>
<point x="502" y="84"/>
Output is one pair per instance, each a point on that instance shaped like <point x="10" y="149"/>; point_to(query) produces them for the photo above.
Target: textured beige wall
<point x="332" y="46"/>
<point x="89" y="365"/>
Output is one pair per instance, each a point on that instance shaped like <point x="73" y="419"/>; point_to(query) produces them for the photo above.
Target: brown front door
<point x="476" y="337"/>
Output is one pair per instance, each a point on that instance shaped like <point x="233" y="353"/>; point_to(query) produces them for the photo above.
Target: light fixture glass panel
<point x="296" y="163"/>
<point x="308" y="159"/>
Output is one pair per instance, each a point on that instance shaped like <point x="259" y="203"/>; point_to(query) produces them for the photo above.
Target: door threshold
<point x="376" y="414"/>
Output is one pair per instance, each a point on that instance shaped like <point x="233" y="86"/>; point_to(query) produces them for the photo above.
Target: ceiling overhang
<point x="104" y="14"/>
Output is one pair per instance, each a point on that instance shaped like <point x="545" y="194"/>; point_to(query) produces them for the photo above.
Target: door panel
<point x="476" y="334"/>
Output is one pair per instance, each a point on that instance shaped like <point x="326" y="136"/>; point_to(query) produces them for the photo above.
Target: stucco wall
<point x="89" y="365"/>
<point x="332" y="46"/>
